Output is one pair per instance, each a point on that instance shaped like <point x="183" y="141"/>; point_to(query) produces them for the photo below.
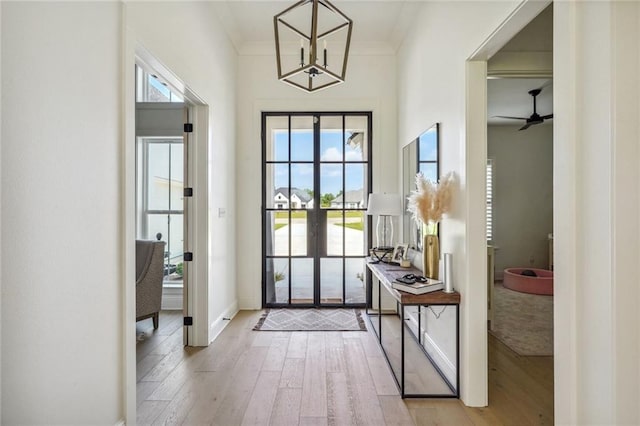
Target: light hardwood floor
<point x="318" y="378"/>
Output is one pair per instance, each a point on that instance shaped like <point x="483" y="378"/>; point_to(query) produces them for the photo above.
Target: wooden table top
<point x="387" y="273"/>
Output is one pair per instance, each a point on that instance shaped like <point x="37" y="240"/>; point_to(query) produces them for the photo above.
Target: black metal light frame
<point x="313" y="67"/>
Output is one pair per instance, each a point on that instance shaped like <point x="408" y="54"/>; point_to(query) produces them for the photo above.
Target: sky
<point x="331" y="150"/>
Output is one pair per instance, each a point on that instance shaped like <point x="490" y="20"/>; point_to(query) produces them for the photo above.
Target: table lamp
<point x="384" y="206"/>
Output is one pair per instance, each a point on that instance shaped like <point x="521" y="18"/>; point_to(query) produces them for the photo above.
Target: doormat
<point x="311" y="320"/>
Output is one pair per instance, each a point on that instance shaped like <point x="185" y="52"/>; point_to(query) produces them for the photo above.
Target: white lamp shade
<point x="384" y="204"/>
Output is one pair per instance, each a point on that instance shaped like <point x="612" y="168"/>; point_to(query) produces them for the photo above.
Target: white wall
<point x="522" y="195"/>
<point x="186" y="38"/>
<point x="596" y="220"/>
<point x="62" y="338"/>
<point x="369" y="87"/>
<point x="62" y="296"/>
<point x="431" y="88"/>
<point x="0" y="217"/>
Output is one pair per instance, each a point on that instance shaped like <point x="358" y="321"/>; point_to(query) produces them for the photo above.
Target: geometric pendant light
<point x="312" y="44"/>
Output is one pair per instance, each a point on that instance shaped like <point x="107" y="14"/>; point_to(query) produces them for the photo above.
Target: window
<point x="150" y="89"/>
<point x="160" y="200"/>
<point x="489" y="199"/>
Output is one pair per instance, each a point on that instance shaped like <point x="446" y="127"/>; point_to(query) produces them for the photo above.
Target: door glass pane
<point x="281" y="280"/>
<point x="331" y="280"/>
<point x="354" y="226"/>
<point x="302" y="138"/>
<point x="301" y="281"/>
<point x="335" y="233"/>
<point x="354" y="281"/>
<point x="277" y="139"/>
<point x="299" y="233"/>
<point x="277" y="186"/>
<point x="330" y="185"/>
<point x="301" y="186"/>
<point x="277" y="233"/>
<point x="355" y="180"/>
<point x="331" y="139"/>
<point x="356" y="137"/>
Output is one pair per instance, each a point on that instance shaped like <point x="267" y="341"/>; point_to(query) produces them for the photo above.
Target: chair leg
<point x="156" y="319"/>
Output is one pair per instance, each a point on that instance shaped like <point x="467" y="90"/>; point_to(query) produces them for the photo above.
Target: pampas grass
<point x="430" y="201"/>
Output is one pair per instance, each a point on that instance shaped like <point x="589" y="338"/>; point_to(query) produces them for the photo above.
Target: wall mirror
<point x="420" y="155"/>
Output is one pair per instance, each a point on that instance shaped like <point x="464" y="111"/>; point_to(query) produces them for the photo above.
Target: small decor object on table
<point x="427" y="204"/>
<point x="416" y="284"/>
<point x="399" y="253"/>
<point x="448" y="278"/>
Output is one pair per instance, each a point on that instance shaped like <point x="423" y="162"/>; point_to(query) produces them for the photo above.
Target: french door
<point x="316" y="179"/>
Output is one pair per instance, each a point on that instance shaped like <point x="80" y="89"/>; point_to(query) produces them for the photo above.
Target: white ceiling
<point x="510" y="97"/>
<point x="379" y="27"/>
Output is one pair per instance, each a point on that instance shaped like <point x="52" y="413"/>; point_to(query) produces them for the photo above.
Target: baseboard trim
<point x="172" y="299"/>
<point x="446" y="366"/>
<point x="437" y="355"/>
<point x="222" y="321"/>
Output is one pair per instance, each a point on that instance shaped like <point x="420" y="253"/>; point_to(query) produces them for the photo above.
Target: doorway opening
<point x="517" y="146"/>
<point x="162" y="165"/>
<point x="316" y="180"/>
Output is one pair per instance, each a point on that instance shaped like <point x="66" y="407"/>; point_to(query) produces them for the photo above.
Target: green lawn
<point x="359" y="226"/>
<point x="302" y="214"/>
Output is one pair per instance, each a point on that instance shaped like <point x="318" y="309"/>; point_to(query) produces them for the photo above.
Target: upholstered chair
<point x="149" y="274"/>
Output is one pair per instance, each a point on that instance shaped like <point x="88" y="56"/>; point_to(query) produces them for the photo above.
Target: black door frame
<point x="317" y="216"/>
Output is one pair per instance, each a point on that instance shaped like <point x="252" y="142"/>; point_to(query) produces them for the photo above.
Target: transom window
<point x="150" y="89"/>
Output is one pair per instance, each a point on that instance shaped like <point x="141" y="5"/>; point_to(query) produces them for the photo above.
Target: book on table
<point x="419" y="287"/>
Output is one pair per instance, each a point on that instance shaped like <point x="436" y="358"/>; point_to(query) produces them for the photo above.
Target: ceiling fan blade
<point x="546" y="117"/>
<point x="511" y="118"/>
<point x="525" y="127"/>
<point x="546" y="84"/>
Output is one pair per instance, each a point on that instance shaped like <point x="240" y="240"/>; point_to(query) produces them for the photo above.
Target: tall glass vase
<point x="431" y="256"/>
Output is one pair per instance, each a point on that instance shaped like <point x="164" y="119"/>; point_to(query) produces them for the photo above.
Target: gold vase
<point x="431" y="256"/>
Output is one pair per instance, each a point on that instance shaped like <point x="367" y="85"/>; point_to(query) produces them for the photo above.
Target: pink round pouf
<point x="540" y="284"/>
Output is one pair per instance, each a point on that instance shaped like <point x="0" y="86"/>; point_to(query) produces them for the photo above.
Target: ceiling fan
<point x="535" y="118"/>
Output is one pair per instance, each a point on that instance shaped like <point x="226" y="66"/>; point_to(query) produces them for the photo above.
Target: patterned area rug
<point x="311" y="320"/>
<point x="524" y="322"/>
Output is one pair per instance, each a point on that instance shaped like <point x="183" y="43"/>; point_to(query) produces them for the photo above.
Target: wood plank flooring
<point x="247" y="377"/>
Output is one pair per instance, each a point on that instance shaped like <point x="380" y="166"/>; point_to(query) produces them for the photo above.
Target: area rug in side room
<point x="322" y="319"/>
<point x="523" y="322"/>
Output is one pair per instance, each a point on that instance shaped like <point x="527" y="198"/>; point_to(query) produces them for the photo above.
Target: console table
<point x="421" y="367"/>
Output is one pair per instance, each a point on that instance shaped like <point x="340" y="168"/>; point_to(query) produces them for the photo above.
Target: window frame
<point x="145" y="212"/>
